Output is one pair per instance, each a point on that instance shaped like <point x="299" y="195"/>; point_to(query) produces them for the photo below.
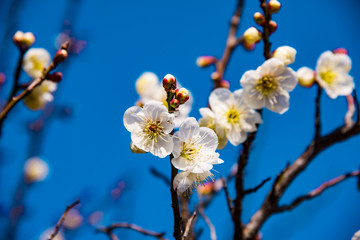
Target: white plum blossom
<point x="150" y="128"/>
<point x="47" y="233"/>
<point x="35" y="60"/>
<point x="186" y="181"/>
<point x="150" y="88"/>
<point x="269" y="86"/>
<point x="194" y="147"/>
<point x="35" y="169"/>
<point x="286" y="54"/>
<point x="208" y="120"/>
<point x="232" y="115"/>
<point x="41" y="95"/>
<point x="332" y="74"/>
<point x="306" y="76"/>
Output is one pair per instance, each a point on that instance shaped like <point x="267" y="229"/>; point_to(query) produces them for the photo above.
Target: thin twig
<point x="62" y="219"/>
<point x="160" y="175"/>
<point x="188" y="226"/>
<point x="109" y="230"/>
<point x="254" y="189"/>
<point x="316" y="192"/>
<point x="317" y="112"/>
<point x="227" y="195"/>
<point x="209" y="223"/>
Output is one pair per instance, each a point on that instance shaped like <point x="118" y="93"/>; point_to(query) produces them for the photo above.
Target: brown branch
<point x="316" y="192"/>
<point x="175" y="203"/>
<point x="287" y="177"/>
<point x="227" y="195"/>
<point x="188" y="226"/>
<point x="252" y="190"/>
<point x="266" y="30"/>
<point x="317" y="113"/>
<point x="62" y="219"/>
<point x="231" y="42"/>
<point x="357" y="106"/>
<point x="210" y="225"/>
<point x="109" y="230"/>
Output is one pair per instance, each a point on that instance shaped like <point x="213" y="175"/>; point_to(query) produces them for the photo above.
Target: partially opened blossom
<point x="306" y="76"/>
<point x="232" y="115"/>
<point x="35" y="60"/>
<point x="286" y="54"/>
<point x="269" y="86"/>
<point x="150" y="128"/>
<point x="150" y="88"/>
<point x="208" y="120"/>
<point x="41" y="95"/>
<point x="194" y="147"/>
<point x="332" y="74"/>
<point x="186" y="181"/>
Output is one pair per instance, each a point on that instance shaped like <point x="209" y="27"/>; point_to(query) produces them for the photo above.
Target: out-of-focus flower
<point x="41" y="95"/>
<point x="206" y="189"/>
<point x="252" y="35"/>
<point x="332" y="73"/>
<point x="268" y="86"/>
<point x="232" y="115"/>
<point x="149" y="88"/>
<point x="306" y="76"/>
<point x="24" y="40"/>
<point x="286" y="54"/>
<point x="356" y="236"/>
<point x="95" y="218"/>
<point x="73" y="219"/>
<point x="259" y="18"/>
<point x="274" y="6"/>
<point x="35" y="60"/>
<point x="272" y="26"/>
<point x="186" y="181"/>
<point x="194" y="148"/>
<point x="208" y="120"/>
<point x="150" y="128"/>
<point x="35" y="170"/>
<point x="46" y="234"/>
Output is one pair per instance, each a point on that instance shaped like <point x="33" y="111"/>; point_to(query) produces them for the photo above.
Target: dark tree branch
<point x="316" y="192"/>
<point x="109" y="230"/>
<point x="227" y="195"/>
<point x="252" y="190"/>
<point x="175" y="204"/>
<point x="318" y="113"/>
<point x="62" y="219"/>
<point x="160" y="175"/>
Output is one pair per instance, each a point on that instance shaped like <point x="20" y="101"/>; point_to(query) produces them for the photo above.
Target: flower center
<point x="265" y="85"/>
<point x="153" y="129"/>
<point x="189" y="151"/>
<point x="233" y="116"/>
<point x="328" y="76"/>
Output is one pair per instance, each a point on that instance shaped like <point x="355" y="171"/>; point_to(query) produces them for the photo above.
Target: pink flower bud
<point x="169" y="82"/>
<point x="205" y="61"/>
<point x="54" y="77"/>
<point x="174" y="103"/>
<point x="274" y="6"/>
<point x="60" y="56"/>
<point x="224" y="84"/>
<point x="340" y="51"/>
<point x="259" y="18"/>
<point x="272" y="26"/>
<point x="182" y="95"/>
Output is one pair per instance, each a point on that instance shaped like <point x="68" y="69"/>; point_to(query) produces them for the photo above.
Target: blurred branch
<point x="227" y="195"/>
<point x="109" y="230"/>
<point x="188" y="226"/>
<point x="252" y="190"/>
<point x="209" y="223"/>
<point x="62" y="219"/>
<point x="316" y="192"/>
<point x="160" y="175"/>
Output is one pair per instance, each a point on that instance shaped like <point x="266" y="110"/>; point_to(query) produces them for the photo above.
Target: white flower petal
<point x="281" y="105"/>
<point x="288" y="79"/>
<point x="208" y="139"/>
<point x="219" y="99"/>
<point x="188" y="129"/>
<point x="131" y="119"/>
<point x="272" y="67"/>
<point x="236" y="136"/>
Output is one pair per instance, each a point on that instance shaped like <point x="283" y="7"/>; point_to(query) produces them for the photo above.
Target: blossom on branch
<point x="194" y="148"/>
<point x="332" y="74"/>
<point x="35" y="60"/>
<point x="150" y="88"/>
<point x="150" y="128"/>
<point x="269" y="86"/>
<point x="306" y="76"/>
<point x="208" y="120"/>
<point x="286" y="54"/>
<point x="187" y="181"/>
<point x="232" y="115"/>
<point x="41" y="95"/>
<point x="35" y="170"/>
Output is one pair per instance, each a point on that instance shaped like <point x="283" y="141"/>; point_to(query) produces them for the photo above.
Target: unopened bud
<point x="54" y="77"/>
<point x="272" y="26"/>
<point x="135" y="149"/>
<point x="60" y="56"/>
<point x="182" y="95"/>
<point x="23" y="40"/>
<point x="215" y="76"/>
<point x="224" y="84"/>
<point x="249" y="46"/>
<point x="340" y="51"/>
<point x="169" y="82"/>
<point x="286" y="54"/>
<point x="35" y="170"/>
<point x="174" y="103"/>
<point x="205" y="61"/>
<point x="259" y="18"/>
<point x="306" y="76"/>
<point x="274" y="6"/>
<point x="252" y="35"/>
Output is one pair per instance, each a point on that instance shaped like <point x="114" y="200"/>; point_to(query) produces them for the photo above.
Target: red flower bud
<point x="169" y="82"/>
<point x="182" y="95"/>
<point x="174" y="103"/>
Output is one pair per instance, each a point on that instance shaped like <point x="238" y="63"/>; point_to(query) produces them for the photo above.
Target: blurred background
<point x="82" y="137"/>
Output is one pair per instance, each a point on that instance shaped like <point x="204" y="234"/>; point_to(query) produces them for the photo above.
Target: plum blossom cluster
<point x="331" y="73"/>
